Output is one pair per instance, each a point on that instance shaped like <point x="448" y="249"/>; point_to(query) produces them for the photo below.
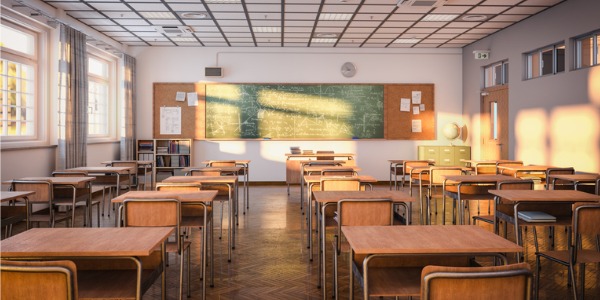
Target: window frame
<point x="41" y="68"/>
<point x="112" y="106"/>
<point x="577" y="53"/>
<point x="491" y="70"/>
<point x="534" y="61"/>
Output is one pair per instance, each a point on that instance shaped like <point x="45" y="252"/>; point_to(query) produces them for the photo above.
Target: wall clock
<point x="348" y="69"/>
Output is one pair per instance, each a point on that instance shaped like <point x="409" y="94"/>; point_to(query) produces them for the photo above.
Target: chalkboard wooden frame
<point x="397" y="125"/>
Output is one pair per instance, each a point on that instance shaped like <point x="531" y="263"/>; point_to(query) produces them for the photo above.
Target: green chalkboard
<point x="294" y="111"/>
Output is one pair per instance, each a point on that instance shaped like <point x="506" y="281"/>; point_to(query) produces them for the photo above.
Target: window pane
<point x="597" y="49"/>
<point x="18" y="99"/>
<point x="498" y="74"/>
<point x="98" y="68"/>
<point x="587" y="51"/>
<point x="560" y="58"/>
<point x="17" y="40"/>
<point x="535" y="65"/>
<point x="494" y="119"/>
<point x="505" y="73"/>
<point x="546" y="61"/>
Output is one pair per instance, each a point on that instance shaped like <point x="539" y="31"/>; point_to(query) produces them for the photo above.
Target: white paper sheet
<point x="170" y="120"/>
<point x="422" y="107"/>
<point x="192" y="99"/>
<point x="404" y="104"/>
<point x="416" y="126"/>
<point x="180" y="96"/>
<point x="416" y="97"/>
<point x="416" y="110"/>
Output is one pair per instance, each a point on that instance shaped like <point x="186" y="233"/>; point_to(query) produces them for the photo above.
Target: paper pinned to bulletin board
<point x="415" y="120"/>
<point x="170" y="120"/>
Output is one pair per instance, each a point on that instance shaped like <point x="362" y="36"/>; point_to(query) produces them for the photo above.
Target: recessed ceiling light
<point x="439" y="18"/>
<point x="265" y="29"/>
<point x="157" y="15"/>
<point x="335" y="17"/>
<point x="323" y="41"/>
<point x="474" y="18"/>
<point x="194" y="15"/>
<point x="326" y="35"/>
<point x="406" y="41"/>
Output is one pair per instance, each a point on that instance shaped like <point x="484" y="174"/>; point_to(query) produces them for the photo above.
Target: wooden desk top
<point x="317" y="178"/>
<point x="105" y="169"/>
<point x="9" y="196"/>
<point x="349" y="155"/>
<point x="237" y="161"/>
<point x="334" y="196"/>
<point x="139" y="162"/>
<point x="426" y="239"/>
<point x="236" y="169"/>
<point x="182" y="196"/>
<point x="85" y="242"/>
<point x="201" y="179"/>
<point x="529" y="168"/>
<point x="62" y="180"/>
<point x="545" y="196"/>
<point x="321" y="168"/>
<point x="588" y="178"/>
<point x="456" y="179"/>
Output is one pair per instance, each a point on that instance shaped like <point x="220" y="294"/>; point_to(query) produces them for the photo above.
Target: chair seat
<point x="562" y="256"/>
<point x="470" y="189"/>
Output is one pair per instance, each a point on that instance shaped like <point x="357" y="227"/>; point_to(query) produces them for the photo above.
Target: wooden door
<point x="494" y="123"/>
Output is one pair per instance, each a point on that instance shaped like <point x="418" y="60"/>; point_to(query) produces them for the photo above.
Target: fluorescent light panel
<point x="265" y="29"/>
<point x="157" y="15"/>
<point x="439" y="18"/>
<point x="323" y="41"/>
<point x="335" y="17"/>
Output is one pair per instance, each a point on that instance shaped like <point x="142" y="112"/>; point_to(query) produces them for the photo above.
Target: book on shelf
<point x="184" y="147"/>
<point x="145" y="145"/>
<point x="536" y="216"/>
<point x="162" y="150"/>
<point x="175" y="162"/>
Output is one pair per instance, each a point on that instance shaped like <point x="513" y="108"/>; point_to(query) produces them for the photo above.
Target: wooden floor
<point x="270" y="260"/>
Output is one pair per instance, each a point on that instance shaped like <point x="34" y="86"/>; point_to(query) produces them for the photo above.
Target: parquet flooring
<point x="270" y="260"/>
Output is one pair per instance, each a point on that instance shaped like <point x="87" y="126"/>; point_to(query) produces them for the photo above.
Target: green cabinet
<point x="445" y="155"/>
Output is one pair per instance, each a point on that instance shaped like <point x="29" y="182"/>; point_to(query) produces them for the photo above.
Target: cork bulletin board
<point x="397" y="122"/>
<point x="192" y="117"/>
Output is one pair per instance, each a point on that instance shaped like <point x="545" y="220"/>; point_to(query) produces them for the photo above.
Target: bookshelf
<point x="168" y="154"/>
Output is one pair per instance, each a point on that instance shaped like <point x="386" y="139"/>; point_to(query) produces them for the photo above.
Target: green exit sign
<point x="481" y="54"/>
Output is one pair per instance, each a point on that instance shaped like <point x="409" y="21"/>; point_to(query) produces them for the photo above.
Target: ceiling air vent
<point x="421" y="3"/>
<point x="175" y="30"/>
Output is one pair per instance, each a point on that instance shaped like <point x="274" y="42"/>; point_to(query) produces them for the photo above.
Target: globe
<point x="451" y="131"/>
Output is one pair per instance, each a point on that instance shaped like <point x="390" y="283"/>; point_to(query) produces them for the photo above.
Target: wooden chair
<point x="357" y="212"/>
<point x="10" y="215"/>
<point x="490" y="283"/>
<point x="224" y="192"/>
<point x="559" y="184"/>
<point x="586" y="222"/>
<point x="192" y="215"/>
<point x="50" y="280"/>
<point x="82" y="196"/>
<point x="224" y="163"/>
<point x="133" y="180"/>
<point x="339" y="172"/>
<point x="413" y="163"/>
<point x="160" y="213"/>
<point x="435" y="180"/>
<point x="44" y="194"/>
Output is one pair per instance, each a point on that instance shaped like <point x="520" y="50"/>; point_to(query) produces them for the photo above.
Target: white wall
<point x="441" y="67"/>
<point x="554" y="119"/>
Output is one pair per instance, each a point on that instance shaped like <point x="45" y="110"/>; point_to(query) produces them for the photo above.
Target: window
<point x="494" y="119"/>
<point x="545" y="61"/>
<point x="496" y="74"/>
<point x="99" y="96"/>
<point x="18" y="91"/>
<point x="587" y="52"/>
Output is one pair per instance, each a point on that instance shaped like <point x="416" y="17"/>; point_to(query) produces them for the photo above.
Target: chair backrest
<point x="325" y="157"/>
<point x="490" y="283"/>
<point x="502" y="163"/>
<point x="221" y="163"/>
<point x="43" y="189"/>
<point x="516" y="185"/>
<point x="485" y="168"/>
<point x="560" y="184"/>
<point x="340" y="184"/>
<point x="204" y="172"/>
<point x="436" y="174"/>
<point x="339" y="172"/>
<point x="598" y="186"/>
<point x="69" y="174"/>
<point x="153" y="213"/>
<point x="175" y="186"/>
<point x="38" y="280"/>
<point x="365" y="212"/>
<point x="125" y="163"/>
<point x="414" y="163"/>
<point x="586" y="222"/>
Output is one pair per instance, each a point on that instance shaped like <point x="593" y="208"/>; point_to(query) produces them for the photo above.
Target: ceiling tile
<point x="339" y="8"/>
<point x="165" y="22"/>
<point x="148" y="6"/>
<point x="226" y="7"/>
<point x="229" y="15"/>
<point x="297" y="29"/>
<point x="264" y="7"/>
<point x="488" y="9"/>
<point x="92" y="22"/>
<point x="300" y="16"/>
<point x="405" y="17"/>
<point x="187" y="7"/>
<point x="264" y="16"/>
<point x="121" y="14"/>
<point x="233" y="23"/>
<point x="72" y="6"/>
<point x="530" y="10"/>
<point x="109" y="28"/>
<point x="377" y="8"/>
<point x="501" y="2"/>
<point x="86" y="14"/>
<point x="301" y="8"/>
<point x="135" y="22"/>
<point x="421" y="30"/>
<point x="508" y="18"/>
<point x="451" y="9"/>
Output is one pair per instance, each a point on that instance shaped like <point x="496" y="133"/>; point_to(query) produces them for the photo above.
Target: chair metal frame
<point x="51" y="218"/>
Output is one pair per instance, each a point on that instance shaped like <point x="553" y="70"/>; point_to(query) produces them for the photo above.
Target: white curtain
<point x="128" y="136"/>
<point x="73" y="99"/>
